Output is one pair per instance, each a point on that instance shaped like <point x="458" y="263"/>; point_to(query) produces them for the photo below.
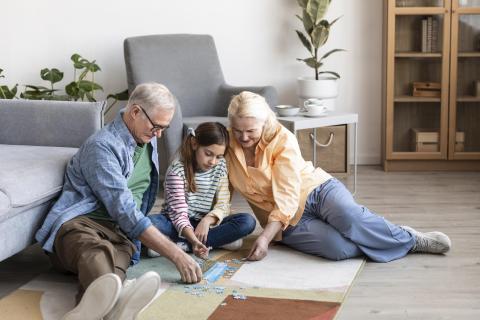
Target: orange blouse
<point x="277" y="187"/>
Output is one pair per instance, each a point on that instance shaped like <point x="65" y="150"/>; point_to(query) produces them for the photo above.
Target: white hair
<point x="251" y="105"/>
<point x="150" y="96"/>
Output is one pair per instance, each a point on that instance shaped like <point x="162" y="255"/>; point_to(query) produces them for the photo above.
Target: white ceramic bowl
<point x="285" y="110"/>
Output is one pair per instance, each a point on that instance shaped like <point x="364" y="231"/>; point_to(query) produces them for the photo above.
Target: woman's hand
<point x="259" y="249"/>
<point x="201" y="231"/>
<point x="200" y="250"/>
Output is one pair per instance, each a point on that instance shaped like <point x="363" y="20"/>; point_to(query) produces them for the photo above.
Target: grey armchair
<point x="188" y="65"/>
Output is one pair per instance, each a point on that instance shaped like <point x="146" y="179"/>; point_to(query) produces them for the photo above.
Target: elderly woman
<point x="304" y="207"/>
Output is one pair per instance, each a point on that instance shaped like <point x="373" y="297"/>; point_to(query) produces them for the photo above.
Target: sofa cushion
<point x="30" y="174"/>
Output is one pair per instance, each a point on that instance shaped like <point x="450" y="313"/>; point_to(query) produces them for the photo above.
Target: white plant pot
<point x="324" y="88"/>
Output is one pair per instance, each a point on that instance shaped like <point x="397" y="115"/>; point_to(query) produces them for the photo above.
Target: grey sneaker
<point x="429" y="242"/>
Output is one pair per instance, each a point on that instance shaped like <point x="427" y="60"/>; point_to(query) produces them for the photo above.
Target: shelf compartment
<point x="410" y="115"/>
<point x="468" y="3"/>
<point x="468" y="73"/>
<point x="467" y="115"/>
<point x="469" y="35"/>
<point x="408" y="33"/>
<point x="416" y="70"/>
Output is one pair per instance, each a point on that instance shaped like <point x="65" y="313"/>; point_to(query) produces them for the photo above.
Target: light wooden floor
<point x="422" y="286"/>
<point x="415" y="287"/>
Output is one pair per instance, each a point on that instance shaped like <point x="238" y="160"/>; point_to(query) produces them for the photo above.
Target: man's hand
<point x="259" y="249"/>
<point x="188" y="268"/>
<point x="201" y="231"/>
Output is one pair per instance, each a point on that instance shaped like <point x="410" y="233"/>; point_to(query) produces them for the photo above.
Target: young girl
<point x="197" y="198"/>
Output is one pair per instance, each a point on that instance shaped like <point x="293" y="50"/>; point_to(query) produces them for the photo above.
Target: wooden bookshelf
<point x="437" y="42"/>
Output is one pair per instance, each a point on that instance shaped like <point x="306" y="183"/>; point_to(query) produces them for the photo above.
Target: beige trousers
<point x="91" y="248"/>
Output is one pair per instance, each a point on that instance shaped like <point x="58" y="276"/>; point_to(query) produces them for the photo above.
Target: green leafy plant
<point x="6" y="92"/>
<point x="81" y="88"/>
<point x="43" y="93"/>
<point x="120" y="96"/>
<point x="316" y="33"/>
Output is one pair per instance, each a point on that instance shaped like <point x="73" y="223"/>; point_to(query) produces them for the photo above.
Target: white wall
<point x="255" y="40"/>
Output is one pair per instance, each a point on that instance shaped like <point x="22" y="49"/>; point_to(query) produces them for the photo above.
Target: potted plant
<point x="323" y="85"/>
<point x="83" y="86"/>
<point x="5" y="91"/>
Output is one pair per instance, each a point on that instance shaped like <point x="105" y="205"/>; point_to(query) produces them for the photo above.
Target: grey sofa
<point x="188" y="65"/>
<point x="37" y="139"/>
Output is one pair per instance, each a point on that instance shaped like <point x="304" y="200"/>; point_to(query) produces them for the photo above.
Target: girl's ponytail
<point x="187" y="155"/>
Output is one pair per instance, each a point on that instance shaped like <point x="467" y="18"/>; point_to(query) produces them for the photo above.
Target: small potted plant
<point x="323" y="85"/>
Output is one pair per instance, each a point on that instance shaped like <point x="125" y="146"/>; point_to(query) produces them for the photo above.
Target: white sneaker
<point x="233" y="246"/>
<point x="98" y="299"/>
<point x="429" y="242"/>
<point x="136" y="296"/>
<point x="154" y="254"/>
<point x="183" y="246"/>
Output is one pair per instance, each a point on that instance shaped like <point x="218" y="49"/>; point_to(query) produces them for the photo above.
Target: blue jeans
<point x="232" y="227"/>
<point x="335" y="227"/>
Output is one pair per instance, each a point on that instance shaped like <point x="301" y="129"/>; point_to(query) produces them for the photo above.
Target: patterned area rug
<point x="285" y="285"/>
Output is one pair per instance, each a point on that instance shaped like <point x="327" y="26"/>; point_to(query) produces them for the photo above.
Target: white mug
<point x="314" y="107"/>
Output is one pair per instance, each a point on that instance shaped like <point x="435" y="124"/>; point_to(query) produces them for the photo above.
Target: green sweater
<point x="137" y="183"/>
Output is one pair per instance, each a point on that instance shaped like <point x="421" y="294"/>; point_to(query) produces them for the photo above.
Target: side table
<point x="331" y="119"/>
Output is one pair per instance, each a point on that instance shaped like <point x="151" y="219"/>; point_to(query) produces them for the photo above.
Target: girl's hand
<point x="200" y="250"/>
<point x="201" y="231"/>
<point x="259" y="249"/>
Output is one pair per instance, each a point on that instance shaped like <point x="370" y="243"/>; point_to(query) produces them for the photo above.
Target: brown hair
<point x="205" y="134"/>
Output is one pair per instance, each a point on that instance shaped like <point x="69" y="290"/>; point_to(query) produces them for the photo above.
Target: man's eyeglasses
<point x="155" y="127"/>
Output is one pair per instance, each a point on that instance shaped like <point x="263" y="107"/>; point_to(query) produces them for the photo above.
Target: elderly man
<point x="110" y="186"/>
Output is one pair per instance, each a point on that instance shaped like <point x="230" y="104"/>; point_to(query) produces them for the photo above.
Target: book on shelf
<point x="429" y="34"/>
<point x="424" y="35"/>
<point x="435" y="35"/>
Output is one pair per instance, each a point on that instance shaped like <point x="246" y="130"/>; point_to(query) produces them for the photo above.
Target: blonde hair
<point x="251" y="105"/>
<point x="152" y="95"/>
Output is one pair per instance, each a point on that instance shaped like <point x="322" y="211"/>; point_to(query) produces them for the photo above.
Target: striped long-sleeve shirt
<point x="211" y="198"/>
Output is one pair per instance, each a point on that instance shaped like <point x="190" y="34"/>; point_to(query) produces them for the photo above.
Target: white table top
<point x="300" y="122"/>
